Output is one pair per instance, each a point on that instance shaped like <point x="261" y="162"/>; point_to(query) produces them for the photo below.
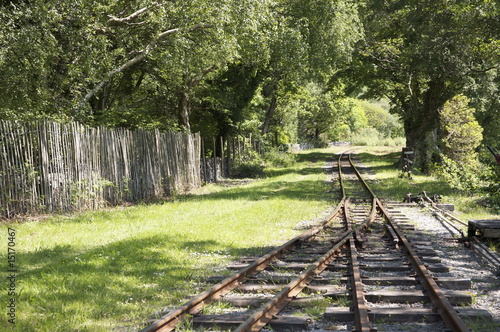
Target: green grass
<point x="114" y="269"/>
<point x="384" y="161"/>
<point x="97" y="271"/>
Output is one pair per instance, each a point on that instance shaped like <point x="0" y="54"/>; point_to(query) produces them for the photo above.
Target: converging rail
<point x="169" y="321"/>
<point x="473" y="243"/>
<point x="349" y="239"/>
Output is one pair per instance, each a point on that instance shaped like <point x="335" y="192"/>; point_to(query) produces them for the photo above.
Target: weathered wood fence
<point x="47" y="166"/>
<point x="224" y="154"/>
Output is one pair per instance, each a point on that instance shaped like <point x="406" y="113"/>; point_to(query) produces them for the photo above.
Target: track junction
<point x="364" y="268"/>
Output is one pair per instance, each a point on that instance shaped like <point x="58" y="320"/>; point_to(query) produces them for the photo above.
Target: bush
<point x="463" y="176"/>
<point x="249" y="165"/>
<point x="252" y="164"/>
<point x="462" y="134"/>
<point x="276" y="158"/>
<point x="248" y="170"/>
<point x="371" y="137"/>
<point x="493" y="188"/>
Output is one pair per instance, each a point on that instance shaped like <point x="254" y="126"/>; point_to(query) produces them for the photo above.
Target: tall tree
<point x="312" y="39"/>
<point x="420" y="54"/>
<point x="118" y="62"/>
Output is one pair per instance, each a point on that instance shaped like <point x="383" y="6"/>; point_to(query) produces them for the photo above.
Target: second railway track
<point x="362" y="269"/>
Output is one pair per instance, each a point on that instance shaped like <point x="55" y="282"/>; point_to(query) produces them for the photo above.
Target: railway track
<point x="456" y="226"/>
<point x="358" y="270"/>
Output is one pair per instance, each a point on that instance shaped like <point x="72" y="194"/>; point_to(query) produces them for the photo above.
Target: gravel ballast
<point x="464" y="263"/>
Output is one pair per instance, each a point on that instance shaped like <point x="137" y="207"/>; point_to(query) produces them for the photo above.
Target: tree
<point x="120" y="62"/>
<point x="311" y="39"/>
<point x="462" y="134"/>
<point x="419" y="54"/>
<point x="168" y="64"/>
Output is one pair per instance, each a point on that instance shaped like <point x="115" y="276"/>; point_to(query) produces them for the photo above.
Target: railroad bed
<point x="364" y="268"/>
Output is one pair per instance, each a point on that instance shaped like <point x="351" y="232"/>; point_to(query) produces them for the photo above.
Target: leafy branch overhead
<point x="287" y="70"/>
<point x="143" y="54"/>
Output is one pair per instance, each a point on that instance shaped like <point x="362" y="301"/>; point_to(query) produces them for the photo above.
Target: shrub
<point x="252" y="164"/>
<point x="493" y="188"/>
<point x="463" y="176"/>
<point x="461" y="167"/>
<point x="248" y="170"/>
<point x="371" y="137"/>
<point x="277" y="158"/>
<point x="249" y="165"/>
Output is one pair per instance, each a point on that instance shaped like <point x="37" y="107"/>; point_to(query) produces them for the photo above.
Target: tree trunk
<point x="184" y="104"/>
<point x="422" y="126"/>
<point x="184" y="110"/>
<point x="269" y="114"/>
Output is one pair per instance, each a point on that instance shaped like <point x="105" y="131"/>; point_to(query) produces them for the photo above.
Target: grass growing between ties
<point x="113" y="269"/>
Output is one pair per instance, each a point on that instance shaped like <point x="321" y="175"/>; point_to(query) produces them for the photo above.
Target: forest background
<point x="284" y="71"/>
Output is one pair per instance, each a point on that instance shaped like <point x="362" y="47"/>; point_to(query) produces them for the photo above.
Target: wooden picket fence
<point x="47" y="166"/>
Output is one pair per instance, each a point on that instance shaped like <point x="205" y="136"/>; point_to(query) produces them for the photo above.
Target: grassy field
<point x="114" y="269"/>
<point x="97" y="271"/>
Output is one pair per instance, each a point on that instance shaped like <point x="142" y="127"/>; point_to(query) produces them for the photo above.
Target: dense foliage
<point x="462" y="134"/>
<point x="286" y="70"/>
<point x="209" y="65"/>
<point x="420" y="54"/>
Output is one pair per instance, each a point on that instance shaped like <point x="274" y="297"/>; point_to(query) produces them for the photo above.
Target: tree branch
<point x="113" y="20"/>
<point x="127" y="20"/>
<point x="197" y="79"/>
<point x="141" y="56"/>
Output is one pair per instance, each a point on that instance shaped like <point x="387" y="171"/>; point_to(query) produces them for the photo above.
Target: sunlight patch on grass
<point x="388" y="183"/>
<point x="99" y="270"/>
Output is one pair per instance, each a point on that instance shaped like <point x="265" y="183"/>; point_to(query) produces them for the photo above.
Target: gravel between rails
<point x="464" y="262"/>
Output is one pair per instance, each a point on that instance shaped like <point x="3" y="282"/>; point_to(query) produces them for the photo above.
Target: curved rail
<point x="441" y="304"/>
<point x="170" y="320"/>
<point x="349" y="237"/>
<point x="488" y="255"/>
<point x="259" y="319"/>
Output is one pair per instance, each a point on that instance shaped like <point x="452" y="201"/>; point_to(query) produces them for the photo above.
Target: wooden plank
<point x="405" y="296"/>
<point x="278" y="323"/>
<point x="387" y="314"/>
<point x="403" y="314"/>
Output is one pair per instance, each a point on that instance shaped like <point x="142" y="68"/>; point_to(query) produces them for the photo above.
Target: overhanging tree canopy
<point x="420" y="54"/>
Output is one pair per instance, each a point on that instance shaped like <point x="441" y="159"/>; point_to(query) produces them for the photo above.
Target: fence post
<point x="215" y="159"/>
<point x="222" y="166"/>
<point x="204" y="158"/>
<point x="228" y="156"/>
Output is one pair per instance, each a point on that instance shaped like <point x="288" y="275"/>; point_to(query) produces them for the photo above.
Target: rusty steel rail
<point x="439" y="301"/>
<point x="341" y="180"/>
<point x="170" y="320"/>
<point x="361" y="319"/>
<point x="486" y="253"/>
<point x="260" y="318"/>
<point x="490" y="256"/>
<point x="440" y="212"/>
<point x="441" y="304"/>
<point x="358" y="174"/>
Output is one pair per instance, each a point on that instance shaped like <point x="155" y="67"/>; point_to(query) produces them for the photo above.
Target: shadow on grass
<point x="296" y="190"/>
<point x="316" y="156"/>
<point x="67" y="289"/>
